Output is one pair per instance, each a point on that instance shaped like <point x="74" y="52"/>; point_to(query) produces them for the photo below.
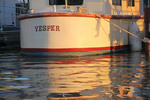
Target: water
<point x="119" y="76"/>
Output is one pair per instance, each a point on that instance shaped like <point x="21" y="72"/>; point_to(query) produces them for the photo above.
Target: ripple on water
<point x="103" y="77"/>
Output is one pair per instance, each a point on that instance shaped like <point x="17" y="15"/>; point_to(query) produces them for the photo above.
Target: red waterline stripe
<point x="59" y="14"/>
<point x="72" y="49"/>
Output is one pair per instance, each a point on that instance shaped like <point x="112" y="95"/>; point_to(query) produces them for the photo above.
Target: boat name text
<point x="47" y="28"/>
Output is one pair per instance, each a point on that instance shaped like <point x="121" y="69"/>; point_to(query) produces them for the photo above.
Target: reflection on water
<point x="103" y="77"/>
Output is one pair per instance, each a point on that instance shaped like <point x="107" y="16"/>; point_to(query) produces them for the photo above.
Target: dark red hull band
<point x="72" y="49"/>
<point x="59" y="14"/>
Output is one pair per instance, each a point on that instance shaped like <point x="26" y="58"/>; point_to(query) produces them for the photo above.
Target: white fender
<point x="135" y="43"/>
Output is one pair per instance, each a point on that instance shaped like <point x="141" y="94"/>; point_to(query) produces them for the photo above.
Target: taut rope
<point x="146" y="40"/>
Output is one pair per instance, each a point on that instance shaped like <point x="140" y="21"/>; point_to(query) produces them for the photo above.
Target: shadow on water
<point x="104" y="77"/>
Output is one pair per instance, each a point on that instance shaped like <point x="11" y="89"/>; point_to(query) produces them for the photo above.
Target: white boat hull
<point x="67" y="34"/>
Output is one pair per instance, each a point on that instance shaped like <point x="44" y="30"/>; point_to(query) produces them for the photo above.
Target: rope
<point x="146" y="40"/>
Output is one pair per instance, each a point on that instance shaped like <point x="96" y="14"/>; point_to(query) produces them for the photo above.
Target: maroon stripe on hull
<point x="73" y="49"/>
<point x="59" y="14"/>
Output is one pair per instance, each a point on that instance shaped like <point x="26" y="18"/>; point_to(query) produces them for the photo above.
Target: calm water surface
<point x="119" y="76"/>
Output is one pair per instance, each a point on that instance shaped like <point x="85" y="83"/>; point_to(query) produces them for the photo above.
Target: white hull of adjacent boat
<point x="68" y="34"/>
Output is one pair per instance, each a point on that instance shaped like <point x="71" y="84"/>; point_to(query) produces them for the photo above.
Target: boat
<point x="79" y="27"/>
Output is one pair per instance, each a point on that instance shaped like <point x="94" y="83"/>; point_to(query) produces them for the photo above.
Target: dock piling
<point x="147" y="31"/>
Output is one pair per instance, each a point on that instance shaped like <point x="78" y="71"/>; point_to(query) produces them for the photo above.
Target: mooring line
<point x="146" y="40"/>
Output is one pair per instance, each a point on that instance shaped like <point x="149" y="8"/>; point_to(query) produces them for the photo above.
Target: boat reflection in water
<point x="69" y="78"/>
<point x="116" y="76"/>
